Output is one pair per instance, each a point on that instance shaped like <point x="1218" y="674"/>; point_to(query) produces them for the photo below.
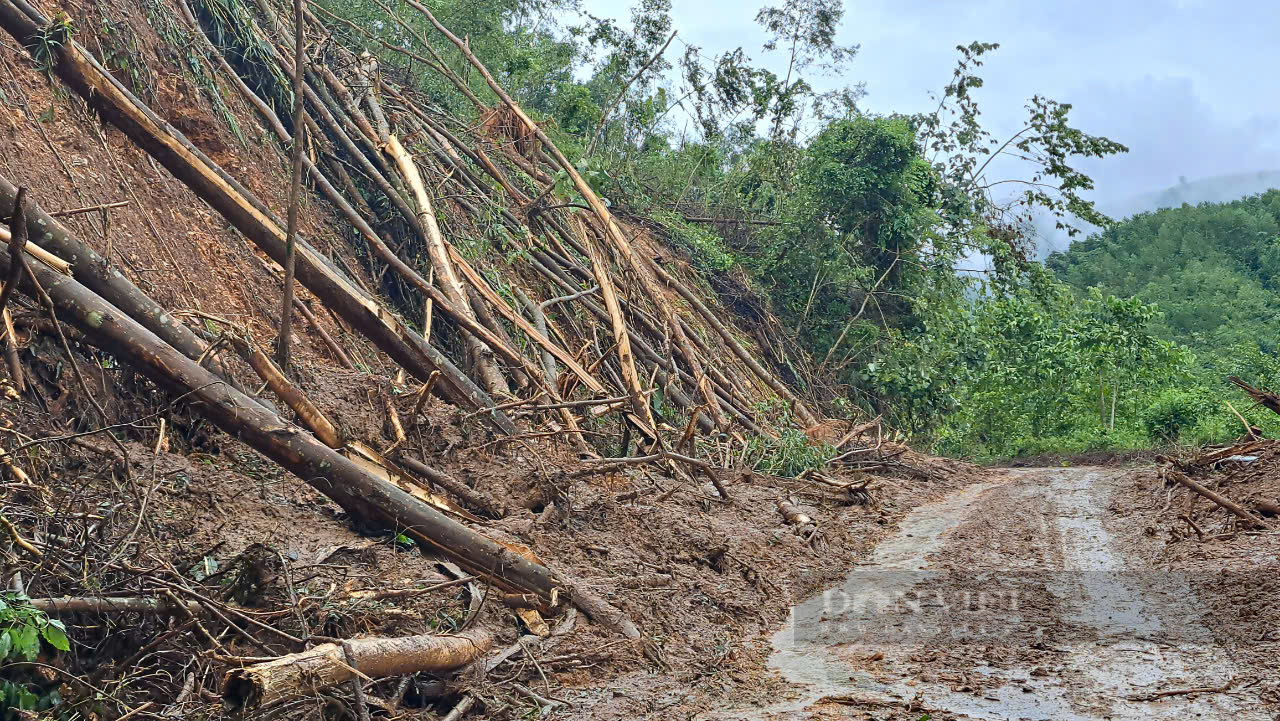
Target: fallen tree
<point x="298" y="674"/>
<point x="361" y="493"/>
<point x="248" y="214"/>
<point x="1226" y="503"/>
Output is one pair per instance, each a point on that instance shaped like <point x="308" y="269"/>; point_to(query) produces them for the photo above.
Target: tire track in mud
<point x="1006" y="600"/>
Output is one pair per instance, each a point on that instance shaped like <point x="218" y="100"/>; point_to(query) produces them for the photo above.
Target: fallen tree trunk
<point x="311" y="416"/>
<point x="361" y="493"/>
<point x="134" y="604"/>
<point x="244" y="211"/>
<point x="1261" y="396"/>
<point x="481" y="355"/>
<point x="1230" y="505"/>
<point x="301" y="674"/>
<point x="95" y="272"/>
<point x="478" y="500"/>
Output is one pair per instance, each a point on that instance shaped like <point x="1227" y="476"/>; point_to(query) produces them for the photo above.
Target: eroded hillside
<point x="516" y="431"/>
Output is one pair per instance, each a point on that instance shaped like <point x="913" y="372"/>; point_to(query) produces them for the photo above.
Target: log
<point x="478" y="500"/>
<point x="134" y="604"/>
<point x="1230" y="505"/>
<point x="95" y="273"/>
<point x="38" y="253"/>
<point x="361" y="493"/>
<point x="446" y="274"/>
<point x="301" y="674"/>
<point x="792" y="513"/>
<point x="311" y="416"/>
<point x="242" y="210"/>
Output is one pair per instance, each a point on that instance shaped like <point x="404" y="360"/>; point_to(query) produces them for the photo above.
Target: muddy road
<point x="1023" y="597"/>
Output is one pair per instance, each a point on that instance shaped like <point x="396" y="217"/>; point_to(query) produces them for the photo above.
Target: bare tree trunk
<point x="295" y="188"/>
<point x="446" y="274"/>
<point x="110" y="605"/>
<point x="1230" y="505"/>
<point x="1115" y="391"/>
<point x="308" y="413"/>
<point x="301" y="674"/>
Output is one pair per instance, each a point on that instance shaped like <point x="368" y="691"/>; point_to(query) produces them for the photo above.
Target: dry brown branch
<point x="1226" y="503"/>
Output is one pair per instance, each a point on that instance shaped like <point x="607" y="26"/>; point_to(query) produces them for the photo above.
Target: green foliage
<point x="1060" y="374"/>
<point x="1174" y="410"/>
<point x="1213" y="268"/>
<point x="1046" y="145"/>
<point x="788" y="455"/>
<point x="22" y="627"/>
<point x="46" y="44"/>
<point x="707" y="249"/>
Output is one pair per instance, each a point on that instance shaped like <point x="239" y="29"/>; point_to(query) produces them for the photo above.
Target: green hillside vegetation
<point x="1213" y="268"/>
<point x="1131" y="344"/>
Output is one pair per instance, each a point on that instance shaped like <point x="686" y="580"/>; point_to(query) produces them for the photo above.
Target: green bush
<point x="22" y="627"/>
<point x="706" y="248"/>
<point x="1172" y="411"/>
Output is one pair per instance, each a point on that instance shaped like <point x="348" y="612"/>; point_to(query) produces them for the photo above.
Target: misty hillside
<point x="1213" y="268"/>
<point x="1217" y="189"/>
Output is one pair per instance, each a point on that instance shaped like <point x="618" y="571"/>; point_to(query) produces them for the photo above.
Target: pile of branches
<point x="1235" y="479"/>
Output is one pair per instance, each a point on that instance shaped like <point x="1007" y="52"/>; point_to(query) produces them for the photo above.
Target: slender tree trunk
<point x="295" y="188"/>
<point x="1102" y="401"/>
<point x="1115" y="391"/>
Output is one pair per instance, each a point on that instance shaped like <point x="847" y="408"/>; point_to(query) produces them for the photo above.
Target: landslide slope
<point x="473" y="333"/>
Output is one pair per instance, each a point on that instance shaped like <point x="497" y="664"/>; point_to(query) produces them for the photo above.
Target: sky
<point x="1190" y="86"/>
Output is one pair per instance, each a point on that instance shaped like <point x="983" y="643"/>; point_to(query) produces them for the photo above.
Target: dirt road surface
<point x="1019" y="598"/>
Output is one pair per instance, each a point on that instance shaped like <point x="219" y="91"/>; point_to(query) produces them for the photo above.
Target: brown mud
<point x="1030" y="596"/>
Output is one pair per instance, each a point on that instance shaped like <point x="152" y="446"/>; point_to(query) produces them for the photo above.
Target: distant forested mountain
<point x="1217" y="189"/>
<point x="1213" y="268"/>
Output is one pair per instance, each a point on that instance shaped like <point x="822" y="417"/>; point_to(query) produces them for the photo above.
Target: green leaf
<point x="205" y="568"/>
<point x="56" y="637"/>
<point x="5" y="645"/>
<point x="26" y="642"/>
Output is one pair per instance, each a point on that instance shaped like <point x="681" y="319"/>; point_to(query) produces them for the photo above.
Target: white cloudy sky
<point x="1191" y="86"/>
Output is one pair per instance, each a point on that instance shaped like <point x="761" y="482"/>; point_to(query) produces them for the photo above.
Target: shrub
<point x="1172" y="411"/>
